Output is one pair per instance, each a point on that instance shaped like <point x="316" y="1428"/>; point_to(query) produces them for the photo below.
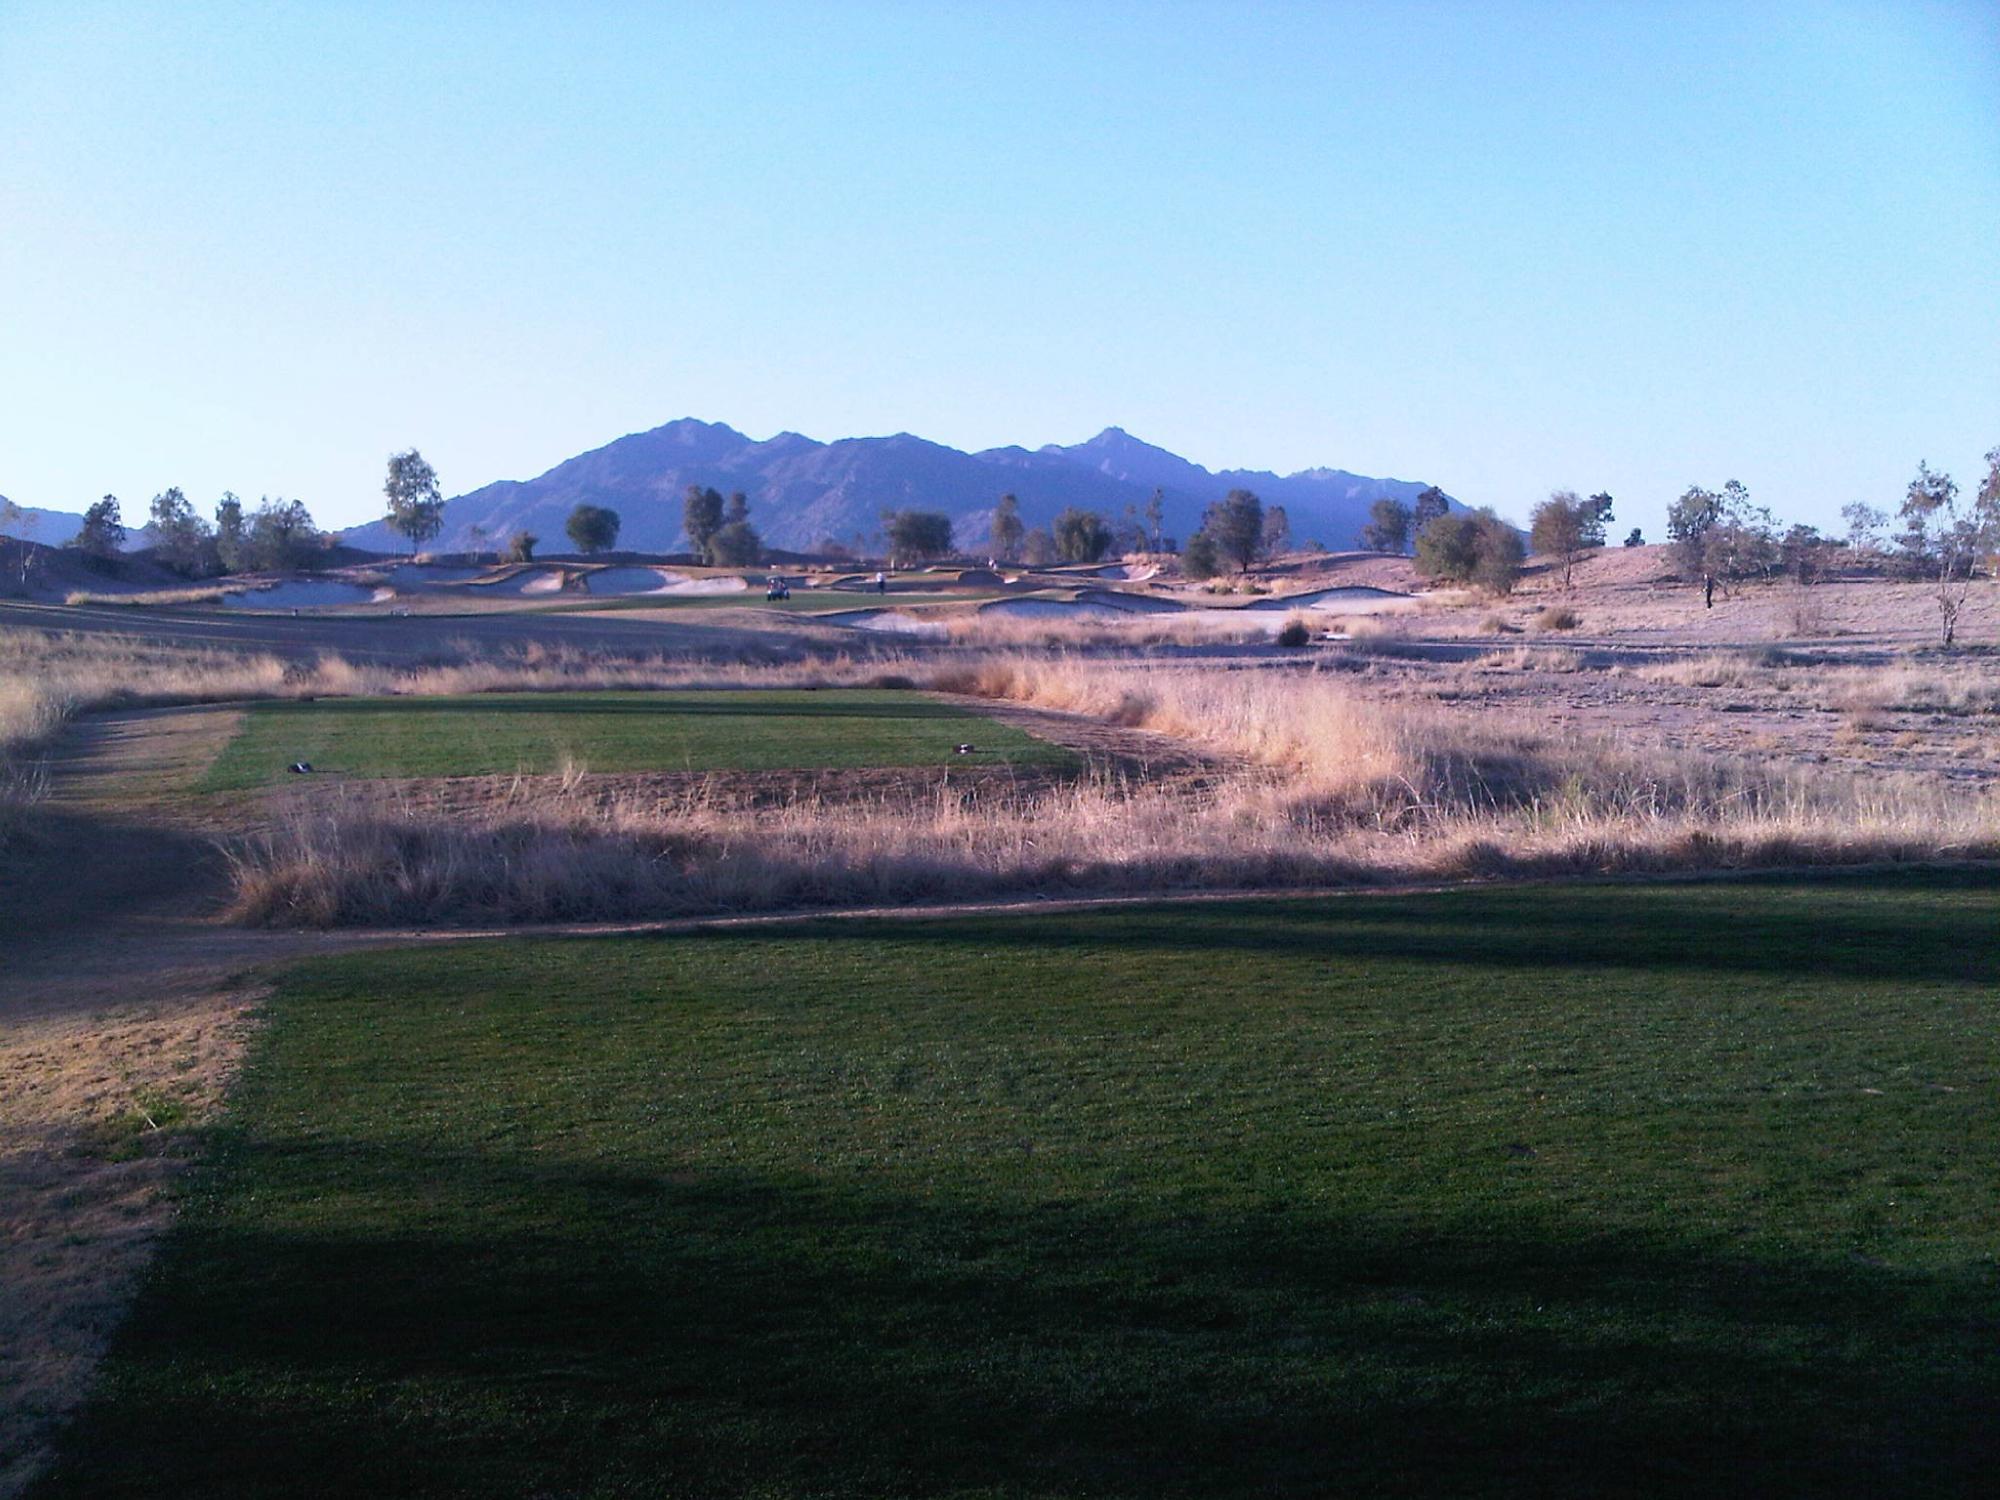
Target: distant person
<point x="881" y="583"/>
<point x="1708" y="591"/>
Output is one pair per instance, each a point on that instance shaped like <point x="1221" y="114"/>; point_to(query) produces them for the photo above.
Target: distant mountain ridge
<point x="33" y="524"/>
<point x="802" y="491"/>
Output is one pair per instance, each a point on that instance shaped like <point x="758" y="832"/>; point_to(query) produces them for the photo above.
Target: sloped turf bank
<point x="1620" y="1190"/>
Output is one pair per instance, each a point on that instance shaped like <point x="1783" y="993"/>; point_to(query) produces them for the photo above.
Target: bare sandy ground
<point x="122" y="1018"/>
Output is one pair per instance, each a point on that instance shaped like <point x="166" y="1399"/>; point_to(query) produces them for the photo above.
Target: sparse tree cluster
<point x="1008" y="530"/>
<point x="278" y="536"/>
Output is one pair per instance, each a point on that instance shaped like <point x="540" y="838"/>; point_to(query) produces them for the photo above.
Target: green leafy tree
<point x="592" y="528"/>
<point x="1275" y="539"/>
<point x="1987" y="509"/>
<point x="1805" y="555"/>
<point x="1866" y="527"/>
<point x="1635" y="538"/>
<point x="103" y="530"/>
<point x="1081" y="536"/>
<point x="416" y="509"/>
<point x="1038" y="548"/>
<point x="282" y="535"/>
<point x="701" y="517"/>
<point x="1130" y="533"/>
<point x="1201" y="559"/>
<point x="231" y="536"/>
<point x="1745" y="544"/>
<point x="1388" y="528"/>
<point x="737" y="511"/>
<point x="1500" y="553"/>
<point x="1430" y="505"/>
<point x="1563" y="528"/>
<point x="1156" y="515"/>
<point x="1470" y="546"/>
<point x="1690" y="521"/>
<point x="735" y="544"/>
<point x="919" y="535"/>
<point x="1945" y="541"/>
<point x="1008" y="530"/>
<point x="521" y="546"/>
<point x="1235" y="524"/>
<point x="180" y="537"/>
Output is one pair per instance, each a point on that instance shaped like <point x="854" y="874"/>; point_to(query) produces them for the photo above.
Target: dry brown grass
<point x="1140" y="628"/>
<point x="1530" y="659"/>
<point x="1558" y="617"/>
<point x="97" y="1113"/>
<point x="1343" y="789"/>
<point x="194" y="594"/>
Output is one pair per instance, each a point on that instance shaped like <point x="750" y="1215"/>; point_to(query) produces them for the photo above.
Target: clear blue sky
<point x="1501" y="247"/>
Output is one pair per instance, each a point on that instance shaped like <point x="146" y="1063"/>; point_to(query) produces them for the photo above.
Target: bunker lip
<point x="524" y="581"/>
<point x="420" y="575"/>
<point x="1088" y="604"/>
<point x="637" y="580"/>
<point x="890" y="621"/>
<point x="1344" y="599"/>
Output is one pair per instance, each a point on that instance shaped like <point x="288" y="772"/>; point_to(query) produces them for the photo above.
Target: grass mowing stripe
<point x="1611" y="1190"/>
<point x="721" y="730"/>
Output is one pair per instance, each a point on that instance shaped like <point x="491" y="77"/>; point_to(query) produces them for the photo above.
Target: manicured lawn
<point x="501" y="733"/>
<point x="1606" y="1191"/>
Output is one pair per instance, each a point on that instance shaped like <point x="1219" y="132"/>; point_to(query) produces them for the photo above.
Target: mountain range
<point x="803" y="493"/>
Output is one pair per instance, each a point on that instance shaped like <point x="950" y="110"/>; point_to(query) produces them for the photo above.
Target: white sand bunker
<point x="1092" y="604"/>
<point x="1351" y="600"/>
<point x="895" y="622"/>
<point x="528" y="581"/>
<point x="1129" y="572"/>
<point x="305" y="593"/>
<point x="1055" y="609"/>
<point x="628" y="582"/>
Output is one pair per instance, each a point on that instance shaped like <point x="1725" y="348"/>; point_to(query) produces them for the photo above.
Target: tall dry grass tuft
<point x="565" y="857"/>
<point x="1329" y="788"/>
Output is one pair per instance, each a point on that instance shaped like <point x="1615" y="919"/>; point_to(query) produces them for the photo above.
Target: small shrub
<point x="1497" y="625"/>
<point x="1558" y="617"/>
<point x="1296" y="632"/>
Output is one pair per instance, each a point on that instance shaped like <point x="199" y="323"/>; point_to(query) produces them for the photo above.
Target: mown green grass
<point x="723" y="730"/>
<point x="1618" y="1190"/>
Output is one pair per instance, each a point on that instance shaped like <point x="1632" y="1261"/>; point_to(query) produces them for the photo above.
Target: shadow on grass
<point x="491" y="1325"/>
<point x="1871" y="925"/>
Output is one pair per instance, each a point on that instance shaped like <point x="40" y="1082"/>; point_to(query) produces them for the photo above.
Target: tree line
<point x="278" y="534"/>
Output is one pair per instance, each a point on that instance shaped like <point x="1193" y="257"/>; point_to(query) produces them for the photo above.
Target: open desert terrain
<point x="1596" y="983"/>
